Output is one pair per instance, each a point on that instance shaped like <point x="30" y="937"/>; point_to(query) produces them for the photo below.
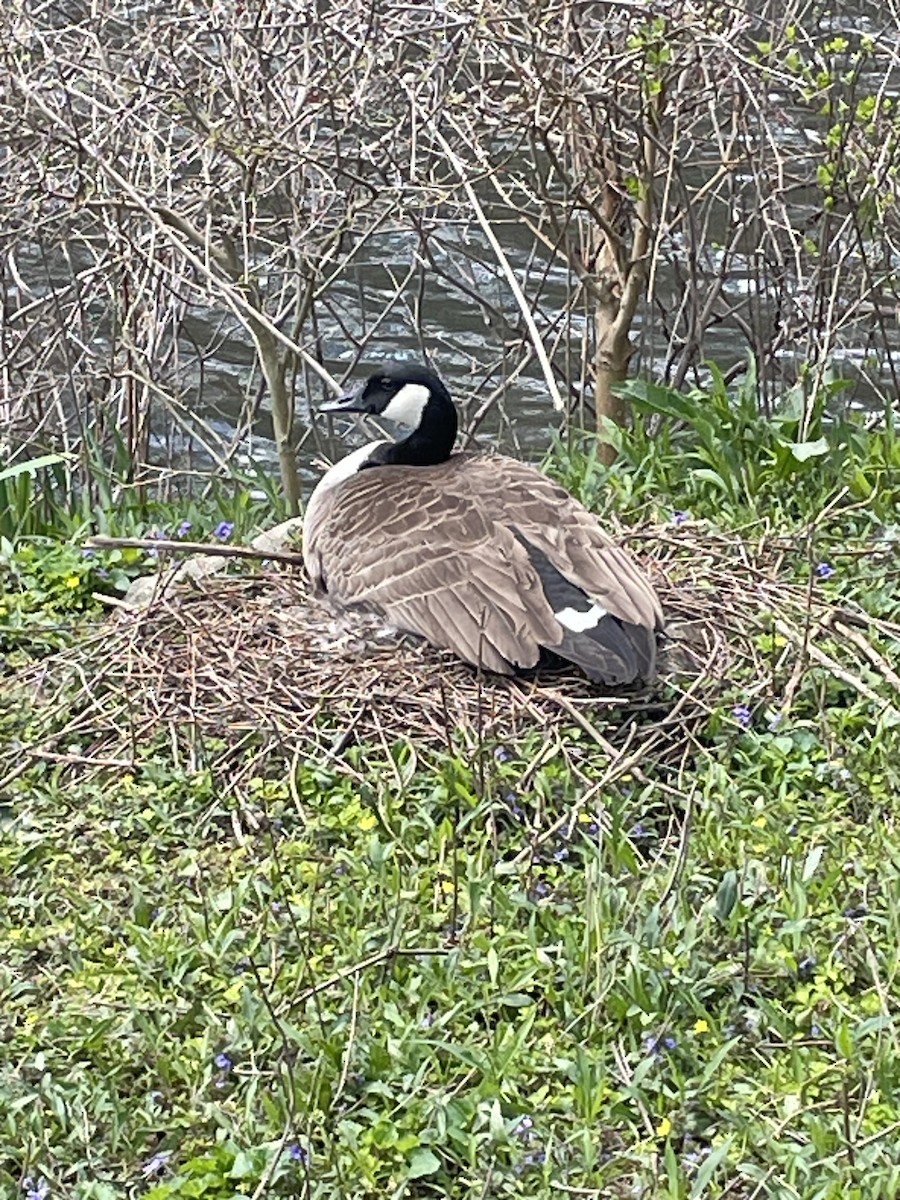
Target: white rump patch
<point x="407" y="406"/>
<point x="577" y="621"/>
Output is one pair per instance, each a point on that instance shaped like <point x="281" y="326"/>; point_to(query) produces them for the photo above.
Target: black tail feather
<point x="613" y="651"/>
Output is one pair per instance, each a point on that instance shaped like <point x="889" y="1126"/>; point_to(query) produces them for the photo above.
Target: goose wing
<point x="563" y="530"/>
<point x="490" y="559"/>
<point x="395" y="540"/>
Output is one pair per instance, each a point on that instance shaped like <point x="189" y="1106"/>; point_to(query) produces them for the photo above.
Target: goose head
<point x="411" y="396"/>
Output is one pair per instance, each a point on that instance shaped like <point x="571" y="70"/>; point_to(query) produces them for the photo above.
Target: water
<point x="472" y="351"/>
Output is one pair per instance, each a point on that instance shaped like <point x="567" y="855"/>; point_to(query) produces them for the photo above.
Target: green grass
<point x="390" y="977"/>
<point x="413" y="998"/>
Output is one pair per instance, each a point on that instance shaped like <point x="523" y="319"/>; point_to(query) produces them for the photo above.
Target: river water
<point x="472" y="354"/>
<point x="464" y="318"/>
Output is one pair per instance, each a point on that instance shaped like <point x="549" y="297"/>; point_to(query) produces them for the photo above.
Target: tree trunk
<point x="611" y="358"/>
<point x="274" y="361"/>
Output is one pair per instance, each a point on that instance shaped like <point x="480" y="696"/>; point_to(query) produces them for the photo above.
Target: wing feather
<point x="438" y="552"/>
<point x="388" y="542"/>
<point x="516" y="493"/>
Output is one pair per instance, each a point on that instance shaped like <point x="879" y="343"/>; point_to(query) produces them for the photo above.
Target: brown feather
<point x="438" y="551"/>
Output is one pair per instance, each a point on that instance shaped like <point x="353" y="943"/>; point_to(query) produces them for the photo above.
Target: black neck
<point x="431" y="443"/>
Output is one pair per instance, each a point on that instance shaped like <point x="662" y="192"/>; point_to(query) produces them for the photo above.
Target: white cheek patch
<point x="407" y="406"/>
<point x="577" y="621"/>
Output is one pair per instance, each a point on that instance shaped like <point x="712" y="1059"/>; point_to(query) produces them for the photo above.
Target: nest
<point x="234" y="671"/>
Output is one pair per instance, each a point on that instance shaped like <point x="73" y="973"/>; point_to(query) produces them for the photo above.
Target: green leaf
<point x="493" y="965"/>
<point x="243" y="1165"/>
<point x="843" y="1040"/>
<point x="712" y="477"/>
<point x="422" y="1162"/>
<point x="31" y="465"/>
<point x="805" y="450"/>
<point x="727" y="895"/>
<point x="707" y="1168"/>
<point x="811" y="865"/>
<point x="663" y="401"/>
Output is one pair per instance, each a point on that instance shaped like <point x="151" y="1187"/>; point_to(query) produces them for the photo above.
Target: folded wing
<point x="487" y="558"/>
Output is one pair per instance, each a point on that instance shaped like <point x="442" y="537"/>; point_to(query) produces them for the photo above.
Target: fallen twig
<point x="101" y="542"/>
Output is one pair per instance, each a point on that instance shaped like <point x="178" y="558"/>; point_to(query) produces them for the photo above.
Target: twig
<point x="374" y="960"/>
<point x="101" y="542"/>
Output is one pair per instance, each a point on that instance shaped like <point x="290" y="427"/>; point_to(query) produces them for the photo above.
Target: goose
<point x="478" y="554"/>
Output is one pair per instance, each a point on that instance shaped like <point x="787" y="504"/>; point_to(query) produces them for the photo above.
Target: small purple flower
<point x="534" y="1158"/>
<point x="155" y="1164"/>
<point x="539" y="889"/>
<point x="87" y="552"/>
<point x="814" y="1030"/>
<point x="523" y="1127"/>
<point x="825" y="570"/>
<point x="679" y="517"/>
<point x="742" y="715"/>
<point x="511" y="800"/>
<point x="36" y="1190"/>
<point x="502" y="755"/>
<point x="656" y="1043"/>
<point x="561" y="853"/>
<point x="223" y="1062"/>
<point x="183" y="529"/>
<point x="224" y="530"/>
<point x="297" y="1153"/>
<point x="158" y="534"/>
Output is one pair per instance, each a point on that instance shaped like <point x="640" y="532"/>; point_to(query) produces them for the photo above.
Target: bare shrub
<point x="194" y="190"/>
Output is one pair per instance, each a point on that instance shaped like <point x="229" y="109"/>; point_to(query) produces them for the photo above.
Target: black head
<point x="398" y="391"/>
<point x="410" y="395"/>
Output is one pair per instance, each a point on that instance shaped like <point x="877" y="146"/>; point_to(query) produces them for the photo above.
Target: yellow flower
<point x="701" y="1026"/>
<point x="73" y="581"/>
<point x="367" y="821"/>
<point x="664" y="1128"/>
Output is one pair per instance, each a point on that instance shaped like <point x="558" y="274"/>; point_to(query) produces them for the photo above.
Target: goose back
<point x="486" y="557"/>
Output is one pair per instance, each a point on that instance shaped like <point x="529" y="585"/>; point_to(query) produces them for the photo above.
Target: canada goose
<point x="479" y="554"/>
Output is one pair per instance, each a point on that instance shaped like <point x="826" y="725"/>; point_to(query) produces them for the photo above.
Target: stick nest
<point x="235" y="670"/>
